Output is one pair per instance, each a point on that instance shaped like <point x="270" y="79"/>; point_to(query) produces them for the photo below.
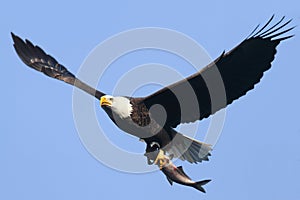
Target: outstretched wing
<point x="229" y="77"/>
<point x="36" y="58"/>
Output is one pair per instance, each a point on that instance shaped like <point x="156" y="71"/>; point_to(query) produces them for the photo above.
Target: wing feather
<point x="229" y="77"/>
<point x="34" y="57"/>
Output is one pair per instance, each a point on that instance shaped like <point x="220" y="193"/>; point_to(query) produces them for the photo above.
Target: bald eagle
<point x="154" y="117"/>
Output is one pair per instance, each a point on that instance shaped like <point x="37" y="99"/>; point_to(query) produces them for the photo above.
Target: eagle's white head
<point x="119" y="105"/>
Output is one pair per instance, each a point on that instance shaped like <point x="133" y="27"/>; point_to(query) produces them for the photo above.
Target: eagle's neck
<point x="122" y="107"/>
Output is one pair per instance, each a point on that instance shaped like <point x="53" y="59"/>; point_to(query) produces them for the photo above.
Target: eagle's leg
<point x="160" y="159"/>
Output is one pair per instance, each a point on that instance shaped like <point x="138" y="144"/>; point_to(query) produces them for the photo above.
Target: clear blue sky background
<point x="257" y="156"/>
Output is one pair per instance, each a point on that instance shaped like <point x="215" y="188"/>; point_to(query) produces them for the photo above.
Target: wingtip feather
<point x="267" y="32"/>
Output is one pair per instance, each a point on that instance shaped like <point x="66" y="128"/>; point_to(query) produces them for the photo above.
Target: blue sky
<point x="256" y="157"/>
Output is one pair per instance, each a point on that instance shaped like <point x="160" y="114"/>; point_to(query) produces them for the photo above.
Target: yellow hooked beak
<point x="105" y="101"/>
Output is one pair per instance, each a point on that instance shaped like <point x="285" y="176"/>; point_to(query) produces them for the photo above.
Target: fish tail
<point x="198" y="185"/>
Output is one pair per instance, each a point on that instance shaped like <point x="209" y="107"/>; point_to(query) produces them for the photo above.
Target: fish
<point x="177" y="175"/>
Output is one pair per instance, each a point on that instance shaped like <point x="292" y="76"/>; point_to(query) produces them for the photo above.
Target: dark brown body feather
<point x="140" y="114"/>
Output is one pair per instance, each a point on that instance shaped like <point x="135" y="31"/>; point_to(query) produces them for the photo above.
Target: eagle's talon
<point x="162" y="163"/>
<point x="160" y="159"/>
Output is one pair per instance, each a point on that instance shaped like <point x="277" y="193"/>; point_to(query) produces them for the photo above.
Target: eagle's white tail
<point x="188" y="149"/>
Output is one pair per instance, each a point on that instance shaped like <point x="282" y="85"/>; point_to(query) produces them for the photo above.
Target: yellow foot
<point x="160" y="159"/>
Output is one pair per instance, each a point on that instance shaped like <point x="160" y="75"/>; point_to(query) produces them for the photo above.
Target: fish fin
<point x="182" y="172"/>
<point x="198" y="185"/>
<point x="170" y="180"/>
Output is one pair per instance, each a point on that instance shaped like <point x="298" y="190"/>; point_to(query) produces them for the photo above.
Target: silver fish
<point x="176" y="174"/>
